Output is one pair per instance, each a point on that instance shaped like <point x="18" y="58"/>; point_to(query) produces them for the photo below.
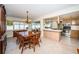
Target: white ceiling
<point x="35" y="10"/>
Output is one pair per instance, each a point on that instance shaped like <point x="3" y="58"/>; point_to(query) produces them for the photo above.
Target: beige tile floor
<point x="47" y="46"/>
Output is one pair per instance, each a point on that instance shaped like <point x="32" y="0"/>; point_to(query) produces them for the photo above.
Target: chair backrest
<point x="30" y="32"/>
<point x="19" y="37"/>
<point x="33" y="39"/>
<point x="38" y="35"/>
<point x="36" y="38"/>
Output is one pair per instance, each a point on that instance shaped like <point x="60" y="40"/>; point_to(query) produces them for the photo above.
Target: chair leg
<point x="40" y="40"/>
<point x="20" y="46"/>
<point x="39" y="45"/>
<point x="34" y="48"/>
<point x="22" y="50"/>
<point x="17" y="41"/>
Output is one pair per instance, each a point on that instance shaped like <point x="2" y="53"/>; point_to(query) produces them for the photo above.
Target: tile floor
<point x="47" y="46"/>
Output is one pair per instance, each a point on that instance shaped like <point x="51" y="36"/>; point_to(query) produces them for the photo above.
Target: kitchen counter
<point x="53" y="30"/>
<point x="52" y="34"/>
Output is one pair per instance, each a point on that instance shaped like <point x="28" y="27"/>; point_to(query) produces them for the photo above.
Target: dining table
<point x="26" y="34"/>
<point x="30" y="36"/>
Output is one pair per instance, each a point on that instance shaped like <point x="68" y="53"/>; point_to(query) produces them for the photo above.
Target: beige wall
<point x="14" y="18"/>
<point x="75" y="29"/>
<point x="9" y="33"/>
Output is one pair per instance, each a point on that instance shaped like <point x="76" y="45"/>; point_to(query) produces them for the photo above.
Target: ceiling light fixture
<point x="28" y="20"/>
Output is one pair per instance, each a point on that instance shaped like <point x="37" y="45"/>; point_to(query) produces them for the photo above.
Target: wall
<point x="14" y="18"/>
<point x="75" y="27"/>
<point x="9" y="33"/>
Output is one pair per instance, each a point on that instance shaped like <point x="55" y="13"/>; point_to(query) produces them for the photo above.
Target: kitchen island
<point x="52" y="34"/>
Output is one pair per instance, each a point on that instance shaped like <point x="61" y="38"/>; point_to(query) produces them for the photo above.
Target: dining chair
<point x="39" y="36"/>
<point x="23" y="43"/>
<point x="34" y="41"/>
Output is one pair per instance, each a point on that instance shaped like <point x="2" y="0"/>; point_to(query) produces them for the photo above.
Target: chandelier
<point x="28" y="20"/>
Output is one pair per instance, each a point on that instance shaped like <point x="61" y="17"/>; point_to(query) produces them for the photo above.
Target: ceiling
<point x="35" y="10"/>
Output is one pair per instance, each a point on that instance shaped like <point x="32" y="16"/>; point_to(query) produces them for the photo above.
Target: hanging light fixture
<point x="28" y="20"/>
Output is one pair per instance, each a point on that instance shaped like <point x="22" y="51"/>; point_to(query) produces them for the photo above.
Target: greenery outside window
<point x="9" y="25"/>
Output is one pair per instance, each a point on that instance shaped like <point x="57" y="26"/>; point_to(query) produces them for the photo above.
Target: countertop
<point x="52" y="30"/>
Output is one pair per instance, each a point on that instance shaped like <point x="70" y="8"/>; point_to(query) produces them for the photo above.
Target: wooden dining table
<point x="27" y="35"/>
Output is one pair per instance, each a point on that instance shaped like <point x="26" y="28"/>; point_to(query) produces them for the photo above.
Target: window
<point x="9" y="25"/>
<point x="36" y="25"/>
<point x="26" y="26"/>
<point x="19" y="25"/>
<point x="48" y="23"/>
<point x="51" y="23"/>
<point x="16" y="25"/>
<point x="22" y="26"/>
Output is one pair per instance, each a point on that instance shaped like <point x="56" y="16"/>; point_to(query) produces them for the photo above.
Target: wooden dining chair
<point x="23" y="43"/>
<point x="38" y="38"/>
<point x="34" y="41"/>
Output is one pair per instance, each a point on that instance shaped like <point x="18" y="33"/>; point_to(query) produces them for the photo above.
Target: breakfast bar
<point x="52" y="34"/>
